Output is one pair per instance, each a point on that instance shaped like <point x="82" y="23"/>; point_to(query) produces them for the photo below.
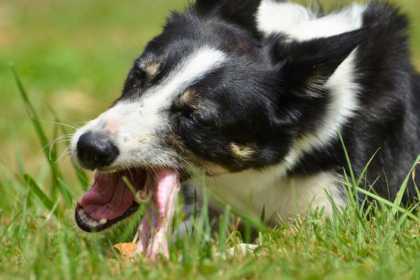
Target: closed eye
<point x="183" y="110"/>
<point x="139" y="73"/>
<point x="135" y="82"/>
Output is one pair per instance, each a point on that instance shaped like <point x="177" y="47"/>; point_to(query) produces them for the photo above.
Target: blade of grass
<point x="365" y="169"/>
<point x="64" y="189"/>
<point x="40" y="132"/>
<point x="80" y="174"/>
<point x="31" y="113"/>
<point x="53" y="155"/>
<point x="352" y="195"/>
<point x="401" y="192"/>
<point x="350" y="183"/>
<point x="388" y="203"/>
<point x="38" y="192"/>
<point x="350" y="167"/>
<point x="223" y="228"/>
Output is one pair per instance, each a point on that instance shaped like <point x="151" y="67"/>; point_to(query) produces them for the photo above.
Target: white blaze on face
<point x="136" y="125"/>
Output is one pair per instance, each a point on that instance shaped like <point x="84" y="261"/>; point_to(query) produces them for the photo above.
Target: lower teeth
<point x="89" y="221"/>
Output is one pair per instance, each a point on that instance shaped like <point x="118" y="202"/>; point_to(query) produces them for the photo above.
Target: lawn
<point x="72" y="57"/>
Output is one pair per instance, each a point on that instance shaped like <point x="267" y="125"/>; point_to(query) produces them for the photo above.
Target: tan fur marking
<point x="242" y="152"/>
<point x="152" y="69"/>
<point x="189" y="98"/>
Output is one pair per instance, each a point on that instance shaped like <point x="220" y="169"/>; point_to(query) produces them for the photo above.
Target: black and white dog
<point x="248" y="99"/>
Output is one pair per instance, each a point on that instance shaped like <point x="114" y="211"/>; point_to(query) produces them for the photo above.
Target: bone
<point x="156" y="225"/>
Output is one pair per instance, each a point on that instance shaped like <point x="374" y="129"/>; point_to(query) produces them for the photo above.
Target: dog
<point x="259" y="103"/>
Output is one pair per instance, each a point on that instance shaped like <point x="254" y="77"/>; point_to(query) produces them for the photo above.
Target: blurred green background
<point x="73" y="56"/>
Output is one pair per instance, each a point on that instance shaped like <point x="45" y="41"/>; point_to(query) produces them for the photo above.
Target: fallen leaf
<point x="126" y="250"/>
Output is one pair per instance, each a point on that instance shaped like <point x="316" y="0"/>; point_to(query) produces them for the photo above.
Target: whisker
<point x="65" y="125"/>
<point x="66" y="152"/>
<point x="61" y="139"/>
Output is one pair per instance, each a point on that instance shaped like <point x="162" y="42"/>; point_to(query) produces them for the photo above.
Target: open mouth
<point x="115" y="196"/>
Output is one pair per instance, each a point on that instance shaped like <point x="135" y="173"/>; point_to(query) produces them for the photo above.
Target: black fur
<point x="387" y="126"/>
<point x="272" y="91"/>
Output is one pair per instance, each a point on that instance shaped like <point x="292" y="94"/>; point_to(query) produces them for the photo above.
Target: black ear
<point x="239" y="12"/>
<point x="314" y="61"/>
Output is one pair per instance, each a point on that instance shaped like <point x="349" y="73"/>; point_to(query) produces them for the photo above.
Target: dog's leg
<point x="155" y="226"/>
<point x="192" y="204"/>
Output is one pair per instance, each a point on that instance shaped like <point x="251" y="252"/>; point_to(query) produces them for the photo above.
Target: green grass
<point x="74" y="53"/>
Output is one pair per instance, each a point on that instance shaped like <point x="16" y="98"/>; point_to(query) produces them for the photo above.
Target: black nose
<point x="95" y="150"/>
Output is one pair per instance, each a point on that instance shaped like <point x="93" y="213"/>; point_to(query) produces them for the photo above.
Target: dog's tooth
<point x="85" y="219"/>
<point x="93" y="223"/>
<point x="82" y="215"/>
<point x="89" y="221"/>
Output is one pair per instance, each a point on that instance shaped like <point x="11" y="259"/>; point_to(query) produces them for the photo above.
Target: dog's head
<point x="211" y="93"/>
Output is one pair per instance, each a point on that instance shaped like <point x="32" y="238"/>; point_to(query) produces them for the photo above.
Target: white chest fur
<point x="251" y="193"/>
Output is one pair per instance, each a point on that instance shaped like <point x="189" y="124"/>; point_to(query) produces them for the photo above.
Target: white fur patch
<point x="135" y="125"/>
<point x="281" y="198"/>
<point x="302" y="24"/>
<point x="274" y="17"/>
<point x="343" y="21"/>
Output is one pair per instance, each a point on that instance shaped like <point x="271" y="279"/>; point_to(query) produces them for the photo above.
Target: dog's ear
<point x="239" y="12"/>
<point x="309" y="64"/>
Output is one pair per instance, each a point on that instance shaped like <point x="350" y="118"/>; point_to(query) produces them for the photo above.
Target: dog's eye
<point x="135" y="81"/>
<point x="139" y="73"/>
<point x="183" y="110"/>
<point x="187" y="103"/>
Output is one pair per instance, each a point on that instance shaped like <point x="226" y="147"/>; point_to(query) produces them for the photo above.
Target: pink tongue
<point x="109" y="197"/>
